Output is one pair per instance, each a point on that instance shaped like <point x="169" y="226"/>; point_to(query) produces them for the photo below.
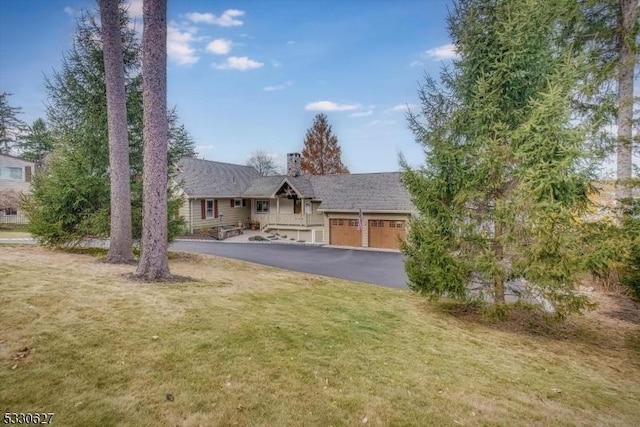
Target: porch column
<point x="304" y="213"/>
<point x="277" y="210"/>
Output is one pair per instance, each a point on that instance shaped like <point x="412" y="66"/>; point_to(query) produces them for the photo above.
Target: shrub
<point x="71" y="202"/>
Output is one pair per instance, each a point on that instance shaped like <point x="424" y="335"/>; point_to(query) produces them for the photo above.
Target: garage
<point x="344" y="232"/>
<point x="385" y="233"/>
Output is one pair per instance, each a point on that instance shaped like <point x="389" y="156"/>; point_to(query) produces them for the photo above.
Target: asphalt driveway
<point x="380" y="268"/>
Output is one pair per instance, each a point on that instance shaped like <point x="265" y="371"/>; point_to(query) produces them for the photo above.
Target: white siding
<point x="21" y="186"/>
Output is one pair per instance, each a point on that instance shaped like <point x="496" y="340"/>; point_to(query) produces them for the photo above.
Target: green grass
<point x="13" y="230"/>
<point x="251" y="345"/>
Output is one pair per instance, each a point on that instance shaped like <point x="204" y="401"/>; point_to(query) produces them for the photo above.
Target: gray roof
<point x="366" y="191"/>
<point x="303" y="185"/>
<point x="382" y="192"/>
<point x="205" y="178"/>
<point x="264" y="186"/>
<point x="267" y="186"/>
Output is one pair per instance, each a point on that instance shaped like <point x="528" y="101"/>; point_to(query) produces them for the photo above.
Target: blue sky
<point x="251" y="75"/>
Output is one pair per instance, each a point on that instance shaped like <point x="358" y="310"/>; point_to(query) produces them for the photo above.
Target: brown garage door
<point x="386" y="234"/>
<point x="344" y="232"/>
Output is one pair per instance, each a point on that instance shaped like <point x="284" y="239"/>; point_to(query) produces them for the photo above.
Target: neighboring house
<point x="15" y="179"/>
<point x="361" y="210"/>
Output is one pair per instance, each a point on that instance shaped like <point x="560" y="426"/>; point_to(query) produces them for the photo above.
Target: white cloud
<point x="290" y="42"/>
<point x="135" y="8"/>
<point x="71" y="11"/>
<point x="402" y="107"/>
<point x="219" y="47"/>
<point x="330" y="106"/>
<point x="241" y="63"/>
<point x="416" y="64"/>
<point x="227" y="19"/>
<point x="277" y="87"/>
<point x="381" y="123"/>
<point x="361" y="113"/>
<point x="447" y="51"/>
<point x="179" y="47"/>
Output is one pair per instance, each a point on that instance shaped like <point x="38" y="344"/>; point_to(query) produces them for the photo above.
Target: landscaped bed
<point x="252" y="345"/>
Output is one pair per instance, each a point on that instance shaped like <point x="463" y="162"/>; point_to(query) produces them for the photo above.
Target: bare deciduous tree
<point x="9" y="199"/>
<point x="263" y="162"/>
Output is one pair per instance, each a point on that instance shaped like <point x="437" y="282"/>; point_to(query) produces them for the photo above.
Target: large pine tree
<point x="154" y="260"/>
<point x="501" y="188"/>
<point x="36" y="143"/>
<point x="321" y="154"/>
<point x="10" y="124"/>
<point x="121" y="241"/>
<point x="71" y="201"/>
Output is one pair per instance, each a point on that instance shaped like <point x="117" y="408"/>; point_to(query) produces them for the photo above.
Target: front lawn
<point x="252" y="345"/>
<point x="13" y="230"/>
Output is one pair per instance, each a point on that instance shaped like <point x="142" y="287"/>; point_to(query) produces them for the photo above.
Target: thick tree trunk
<point x="120" y="248"/>
<point x="626" y="66"/>
<point x="154" y="264"/>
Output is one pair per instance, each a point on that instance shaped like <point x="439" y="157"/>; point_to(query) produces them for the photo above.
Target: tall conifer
<point x="501" y="187"/>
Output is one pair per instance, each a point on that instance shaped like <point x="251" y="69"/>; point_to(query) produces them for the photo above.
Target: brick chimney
<point x="293" y="164"/>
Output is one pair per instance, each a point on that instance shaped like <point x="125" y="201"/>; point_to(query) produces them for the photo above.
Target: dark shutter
<point x="244" y="203"/>
<point x="231" y="200"/>
<point x="215" y="208"/>
<point x="27" y="173"/>
<point x="203" y="208"/>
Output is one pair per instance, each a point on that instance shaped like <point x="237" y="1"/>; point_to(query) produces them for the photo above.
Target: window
<point x="262" y="206"/>
<point x="376" y="223"/>
<point x="7" y="172"/>
<point x="10" y="211"/>
<point x="297" y="206"/>
<point x="210" y="210"/>
<point x="353" y="223"/>
<point x="237" y="203"/>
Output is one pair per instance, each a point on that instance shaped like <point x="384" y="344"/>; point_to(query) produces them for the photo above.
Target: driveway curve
<point x="379" y="268"/>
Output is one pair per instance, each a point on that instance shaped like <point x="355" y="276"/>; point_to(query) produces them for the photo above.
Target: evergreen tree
<point x="120" y="240"/>
<point x="502" y="185"/>
<point x="607" y="31"/>
<point x="71" y="201"/>
<point x="154" y="259"/>
<point x="628" y="52"/>
<point x="10" y="124"/>
<point x="36" y="143"/>
<point x="321" y="154"/>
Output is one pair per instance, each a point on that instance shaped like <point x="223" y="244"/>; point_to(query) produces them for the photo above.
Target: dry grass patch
<point x="10" y="234"/>
<point x="250" y="345"/>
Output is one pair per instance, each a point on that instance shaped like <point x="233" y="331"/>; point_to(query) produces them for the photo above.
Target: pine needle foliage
<point x="503" y="183"/>
<point x="70" y="200"/>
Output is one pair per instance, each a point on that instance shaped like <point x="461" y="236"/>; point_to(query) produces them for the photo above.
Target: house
<point x="15" y="179"/>
<point x="361" y="210"/>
